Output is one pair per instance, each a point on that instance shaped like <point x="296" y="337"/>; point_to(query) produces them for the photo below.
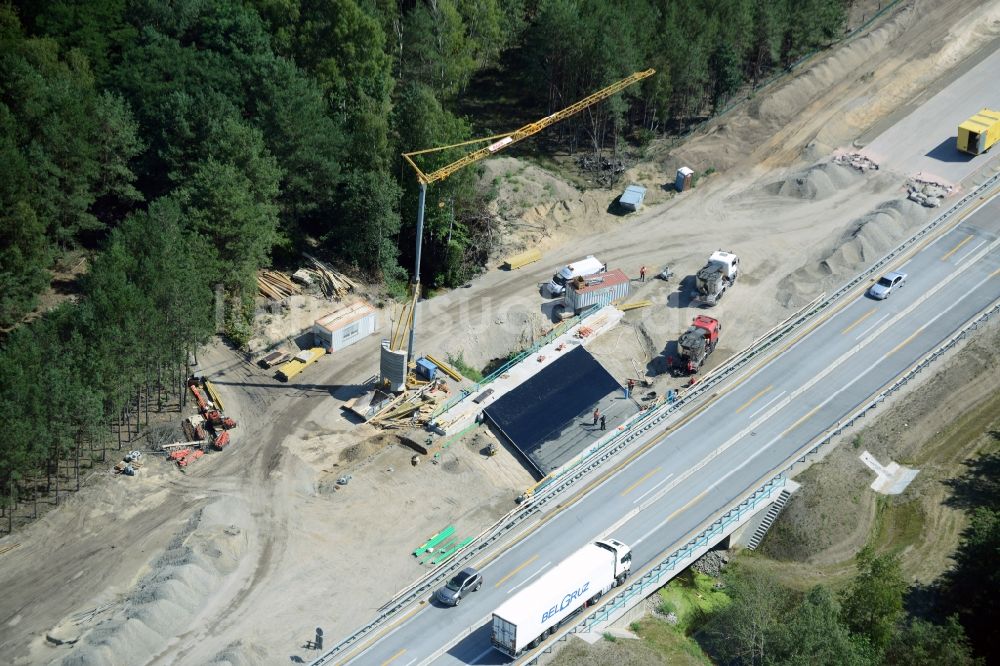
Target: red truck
<point x="694" y="345"/>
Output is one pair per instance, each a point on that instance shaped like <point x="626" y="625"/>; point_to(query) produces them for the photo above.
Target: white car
<point x="881" y="289"/>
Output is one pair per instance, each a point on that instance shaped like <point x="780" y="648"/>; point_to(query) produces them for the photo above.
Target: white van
<point x="557" y="285"/>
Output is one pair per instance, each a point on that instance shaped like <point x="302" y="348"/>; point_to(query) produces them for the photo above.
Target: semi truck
<point x="524" y="620"/>
<point x="694" y="345"/>
<point x="715" y="277"/>
<point x="978" y="134"/>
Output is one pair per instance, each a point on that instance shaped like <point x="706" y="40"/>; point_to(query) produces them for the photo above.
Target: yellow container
<point x="977" y="134"/>
<point x="523" y="259"/>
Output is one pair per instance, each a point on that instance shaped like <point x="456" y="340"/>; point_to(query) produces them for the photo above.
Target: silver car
<point x="881" y="289"/>
<point x="465" y="581"/>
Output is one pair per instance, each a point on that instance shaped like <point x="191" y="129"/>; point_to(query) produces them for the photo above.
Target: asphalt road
<point x="924" y="142"/>
<point x="735" y="443"/>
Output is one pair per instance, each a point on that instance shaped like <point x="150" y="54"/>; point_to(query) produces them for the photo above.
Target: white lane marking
<point x="933" y="319"/>
<point x="969" y="253"/>
<point x="540" y="569"/>
<point x="411" y="662"/>
<point x="868" y="330"/>
<point x="639" y="498"/>
<point x="475" y="660"/>
<point x="767" y="404"/>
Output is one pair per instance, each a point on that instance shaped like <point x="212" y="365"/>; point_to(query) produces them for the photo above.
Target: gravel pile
<point x="712" y="563"/>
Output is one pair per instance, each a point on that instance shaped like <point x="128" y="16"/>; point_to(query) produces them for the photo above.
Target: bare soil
<point x="238" y="559"/>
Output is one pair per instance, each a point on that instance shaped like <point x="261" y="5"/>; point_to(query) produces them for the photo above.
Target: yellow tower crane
<point x="498" y="143"/>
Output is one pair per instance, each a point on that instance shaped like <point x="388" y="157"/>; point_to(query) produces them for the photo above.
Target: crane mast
<point x="498" y="143"/>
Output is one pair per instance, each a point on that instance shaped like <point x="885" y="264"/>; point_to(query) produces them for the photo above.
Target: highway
<point x="728" y="448"/>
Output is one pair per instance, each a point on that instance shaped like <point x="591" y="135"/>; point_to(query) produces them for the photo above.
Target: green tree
<point x="873" y="603"/>
<point x="369" y="224"/>
<point x="813" y="634"/>
<point x="920" y="643"/>
<point x="742" y="632"/>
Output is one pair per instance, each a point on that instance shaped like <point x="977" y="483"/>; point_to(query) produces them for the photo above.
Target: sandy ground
<point x="239" y="559"/>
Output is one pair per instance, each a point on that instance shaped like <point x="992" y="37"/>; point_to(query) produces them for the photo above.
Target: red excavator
<point x="694" y="346"/>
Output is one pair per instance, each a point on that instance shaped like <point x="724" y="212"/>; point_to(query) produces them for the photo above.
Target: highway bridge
<point x="679" y="479"/>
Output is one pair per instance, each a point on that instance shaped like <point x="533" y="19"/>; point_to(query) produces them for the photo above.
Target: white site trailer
<point x="536" y="611"/>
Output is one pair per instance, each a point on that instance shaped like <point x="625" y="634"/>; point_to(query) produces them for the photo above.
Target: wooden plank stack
<point x="334" y="284"/>
<point x="275" y="285"/>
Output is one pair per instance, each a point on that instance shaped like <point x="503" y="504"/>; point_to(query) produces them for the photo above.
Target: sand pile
<point x="816" y="183"/>
<point x="165" y="602"/>
<point x="864" y="241"/>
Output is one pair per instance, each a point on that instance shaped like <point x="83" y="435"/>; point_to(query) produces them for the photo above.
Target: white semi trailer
<point x="578" y="581"/>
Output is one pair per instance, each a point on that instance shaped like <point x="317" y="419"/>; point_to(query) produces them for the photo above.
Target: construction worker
<point x="631" y="385"/>
<point x="602" y="421"/>
<point x="642" y="274"/>
<point x="597" y="415"/>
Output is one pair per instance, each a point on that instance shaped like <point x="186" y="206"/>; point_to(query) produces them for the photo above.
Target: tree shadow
<point x="979" y="486"/>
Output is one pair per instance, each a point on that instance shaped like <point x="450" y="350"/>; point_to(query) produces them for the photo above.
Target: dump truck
<point x="299" y="362"/>
<point x="694" y="345"/>
<point x="715" y="277"/>
<point x="521" y="622"/>
<point x="978" y="134"/>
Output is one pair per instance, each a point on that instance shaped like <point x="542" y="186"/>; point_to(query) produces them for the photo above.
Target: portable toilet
<point x="684" y="179"/>
<point x="426" y="369"/>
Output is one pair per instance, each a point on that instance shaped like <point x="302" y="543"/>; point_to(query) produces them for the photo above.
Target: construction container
<point x="426" y="369"/>
<point x="977" y="134"/>
<point x="684" y="179"/>
<point x="632" y="198"/>
<point x="344" y="327"/>
<point x="522" y="259"/>
<point x="601" y="289"/>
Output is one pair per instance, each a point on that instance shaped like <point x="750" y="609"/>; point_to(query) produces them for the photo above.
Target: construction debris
<point x="927" y="192"/>
<point x="275" y="285"/>
<point x="856" y="161"/>
<point x="334" y="284"/>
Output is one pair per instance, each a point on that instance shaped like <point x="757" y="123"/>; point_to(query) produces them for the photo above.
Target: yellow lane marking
<point x="956" y="248"/>
<point x="511" y="574"/>
<point x="905" y="342"/>
<point x="858" y="321"/>
<point x="750" y="401"/>
<point x="802" y="420"/>
<point x="393" y="657"/>
<point x="995" y="273"/>
<point x="636" y="484"/>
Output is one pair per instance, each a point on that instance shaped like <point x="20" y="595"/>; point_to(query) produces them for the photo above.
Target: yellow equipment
<point x="977" y="134"/>
<point x="502" y="141"/>
<point x="499" y="142"/>
<point x="523" y="259"/>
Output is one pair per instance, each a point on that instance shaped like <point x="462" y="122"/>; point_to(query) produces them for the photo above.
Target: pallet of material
<point x="333" y="283"/>
<point x="276" y="357"/>
<point x="275" y="285"/>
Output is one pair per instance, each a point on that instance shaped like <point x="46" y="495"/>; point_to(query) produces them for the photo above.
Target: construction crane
<point x="498" y="143"/>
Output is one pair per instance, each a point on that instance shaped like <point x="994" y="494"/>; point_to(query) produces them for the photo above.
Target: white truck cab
<point x="588" y="266"/>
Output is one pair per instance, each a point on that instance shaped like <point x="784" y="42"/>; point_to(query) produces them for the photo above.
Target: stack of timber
<point x="410" y="408"/>
<point x="334" y="284"/>
<point x="275" y="285"/>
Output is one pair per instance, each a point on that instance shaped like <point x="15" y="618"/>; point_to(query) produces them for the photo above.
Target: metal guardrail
<point x="644" y="422"/>
<point x="653" y="576"/>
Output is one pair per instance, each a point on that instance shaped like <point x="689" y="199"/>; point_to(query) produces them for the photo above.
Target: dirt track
<point x="239" y="559"/>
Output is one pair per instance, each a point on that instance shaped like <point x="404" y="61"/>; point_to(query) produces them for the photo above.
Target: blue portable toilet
<point x="426" y="369"/>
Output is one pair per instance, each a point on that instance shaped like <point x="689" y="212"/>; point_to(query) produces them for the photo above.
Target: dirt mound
<point x="865" y="240"/>
<point x="816" y="183"/>
<point x="164" y="601"/>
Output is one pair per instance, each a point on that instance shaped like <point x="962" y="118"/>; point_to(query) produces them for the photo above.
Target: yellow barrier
<point x="625" y="307"/>
<point x="214" y="396"/>
<point x="444" y="367"/>
<point x="523" y="259"/>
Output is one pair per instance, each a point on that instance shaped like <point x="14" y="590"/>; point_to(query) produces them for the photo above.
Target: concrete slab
<point x="891" y="479"/>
